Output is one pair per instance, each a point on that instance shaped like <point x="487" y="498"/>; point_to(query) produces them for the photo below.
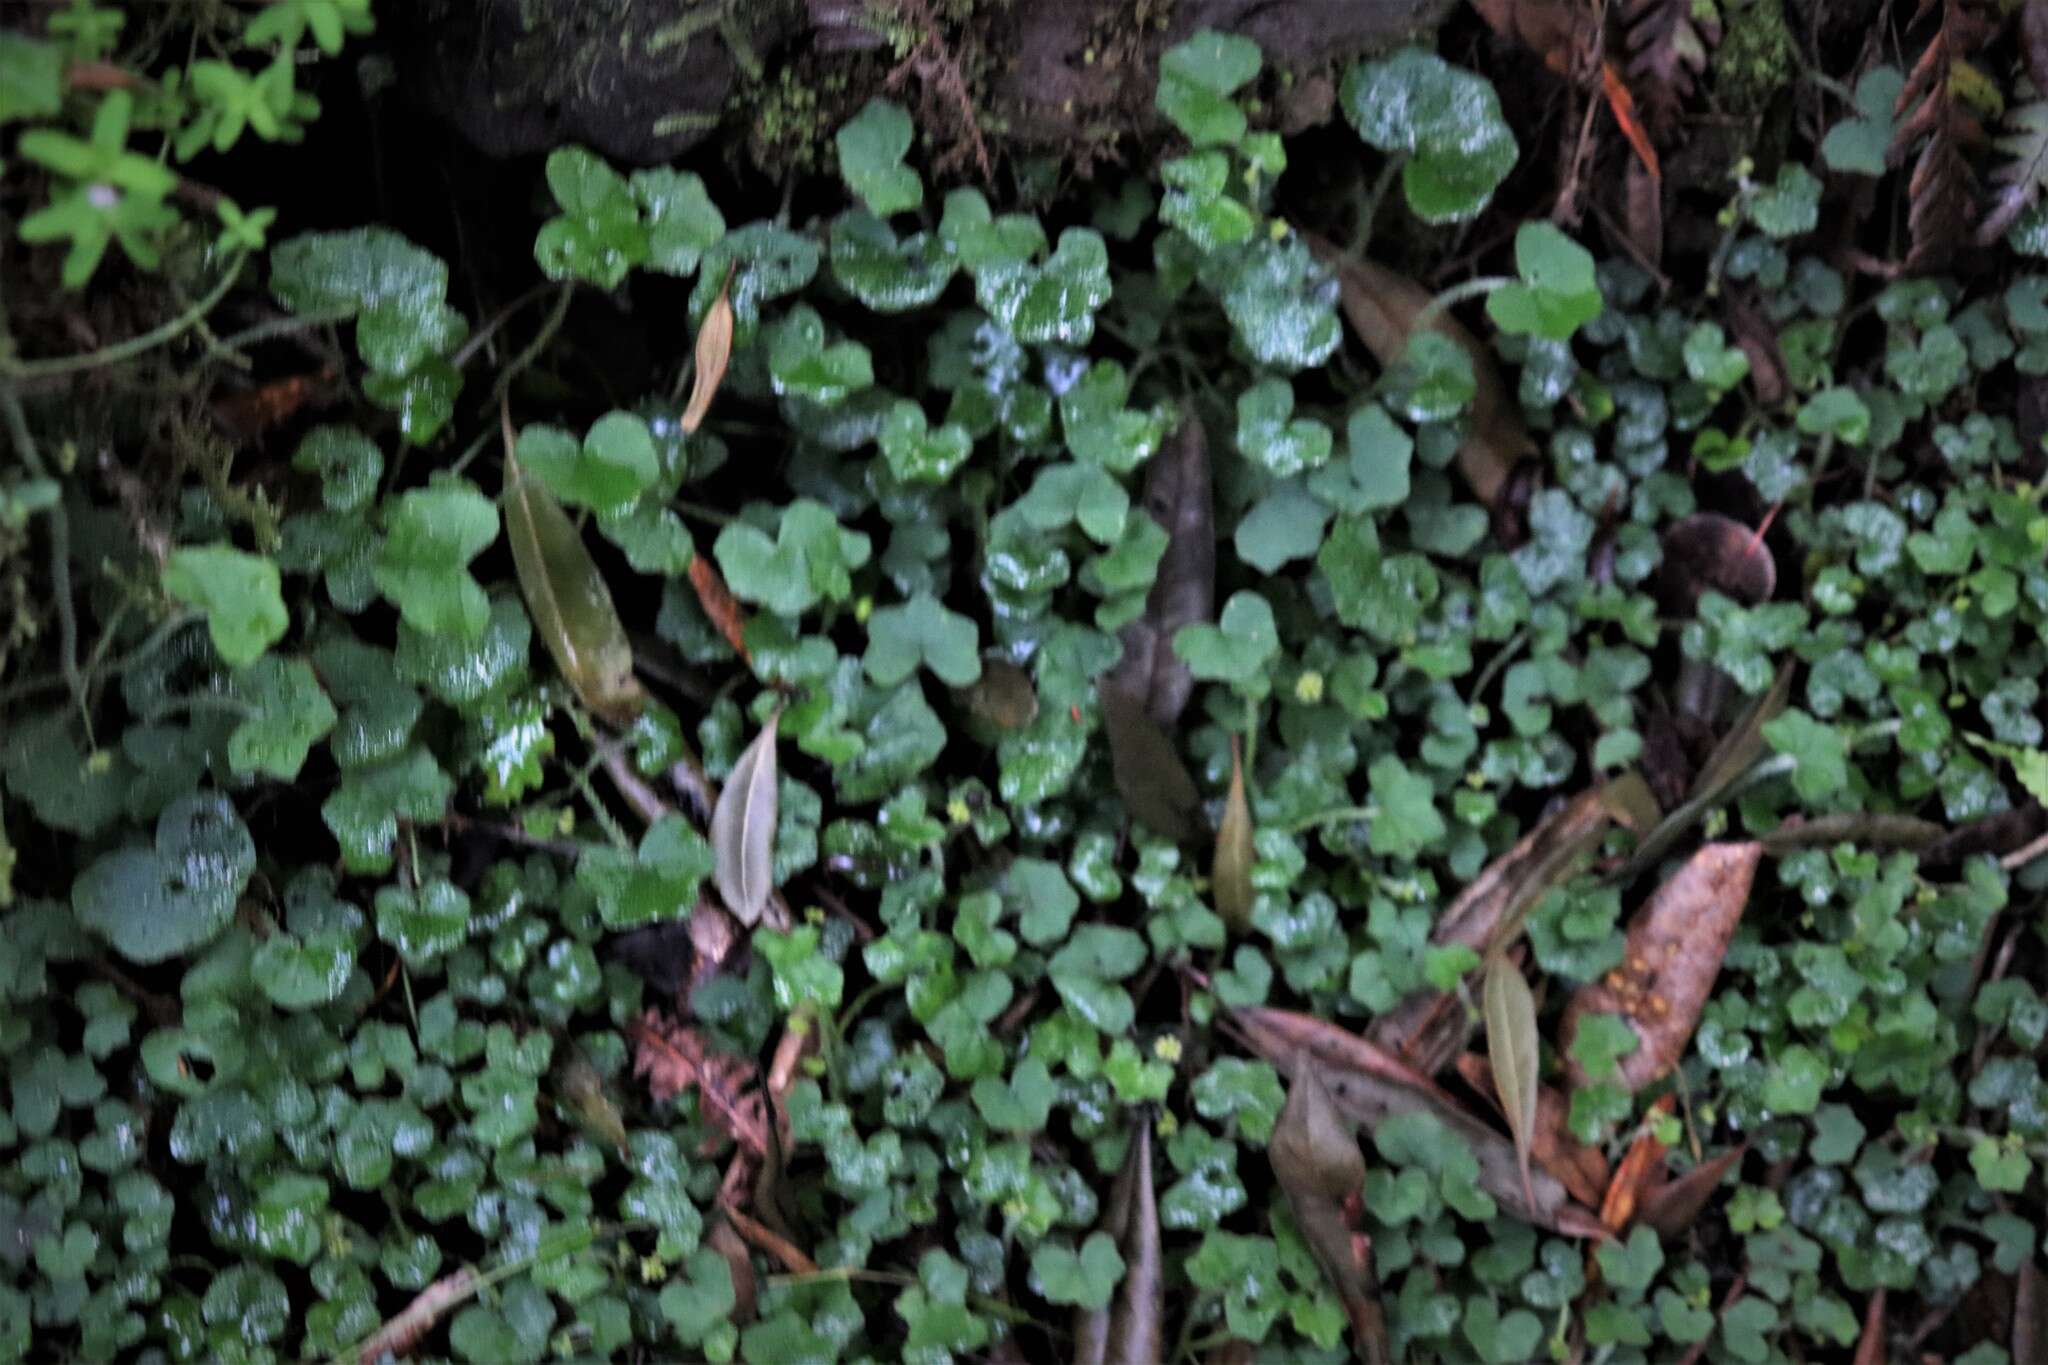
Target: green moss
<point x="1756" y="58"/>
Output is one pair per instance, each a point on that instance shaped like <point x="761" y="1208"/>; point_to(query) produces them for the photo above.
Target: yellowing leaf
<point x="567" y="596"/>
<point x="1230" y="877"/>
<point x="743" y="828"/>
<point x="714" y="350"/>
<point x="1511" y="1046"/>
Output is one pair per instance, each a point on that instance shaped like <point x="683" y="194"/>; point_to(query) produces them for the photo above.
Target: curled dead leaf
<point x="1672" y="1207"/>
<point x="1177" y="496"/>
<point x="1673" y="953"/>
<point x="1383" y="308"/>
<point x="1642" y="1166"/>
<point x="1429" y="1029"/>
<point x="714" y="352"/>
<point x="1320" y="1170"/>
<point x="1230" y="877"/>
<point x="743" y="828"/>
<point x="1369" y="1085"/>
<point x="1580" y="1167"/>
<point x="1512" y="1051"/>
<point x="1129" y="1327"/>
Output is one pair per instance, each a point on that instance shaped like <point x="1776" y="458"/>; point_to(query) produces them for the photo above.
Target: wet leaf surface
<point x="1672" y="955"/>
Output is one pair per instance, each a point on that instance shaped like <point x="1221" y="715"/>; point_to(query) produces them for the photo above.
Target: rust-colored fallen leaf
<point x="719" y="604"/>
<point x="1674" y="951"/>
<point x="1129" y="1327"/>
<point x="1232" y="1352"/>
<point x="1579" y="1167"/>
<point x="1640" y="1166"/>
<point x="769" y="1242"/>
<point x="1429" y="1029"/>
<point x="714" y="352"/>
<point x="1383" y="308"/>
<point x="1369" y="1085"/>
<point x="1230" y="875"/>
<point x="1555" y="30"/>
<point x="1319" y="1168"/>
<point x="672" y="1057"/>
<point x="1672" y="1207"/>
<point x="252" y="412"/>
<point x="1623" y="104"/>
<point x="1870" y="1347"/>
<point x="739" y="1263"/>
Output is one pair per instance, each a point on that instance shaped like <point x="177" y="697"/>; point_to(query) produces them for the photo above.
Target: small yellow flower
<point x="958" y="811"/>
<point x="1308" y="688"/>
<point x="1167" y="1048"/>
<point x="652" y="1268"/>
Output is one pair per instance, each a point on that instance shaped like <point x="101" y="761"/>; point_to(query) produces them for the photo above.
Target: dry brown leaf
<point x="672" y="1058"/>
<point x="1429" y="1028"/>
<point x="1667" y="46"/>
<point x="1149" y="774"/>
<point x="1177" y="496"/>
<point x="714" y="351"/>
<point x="1640" y="1167"/>
<point x="2029" y="1314"/>
<point x="1382" y="308"/>
<point x="1561" y="32"/>
<point x="1672" y="1207"/>
<point x="1003" y="695"/>
<point x="1129" y="1327"/>
<point x="739" y="1263"/>
<point x="1319" y="1168"/>
<point x="719" y="604"/>
<point x="1578" y="1166"/>
<point x="1643" y="213"/>
<point x="1230" y="876"/>
<point x="1674" y="951"/>
<point x="1369" y="1085"/>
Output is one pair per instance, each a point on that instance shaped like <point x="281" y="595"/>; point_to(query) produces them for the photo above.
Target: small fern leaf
<point x="2020" y="177"/>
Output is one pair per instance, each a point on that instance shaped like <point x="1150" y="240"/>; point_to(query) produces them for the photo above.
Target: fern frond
<point x="1666" y="50"/>
<point x="2024" y="171"/>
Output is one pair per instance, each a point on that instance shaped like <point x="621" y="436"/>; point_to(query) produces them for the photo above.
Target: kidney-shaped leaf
<point x="1446" y="120"/>
<point x="155" y="903"/>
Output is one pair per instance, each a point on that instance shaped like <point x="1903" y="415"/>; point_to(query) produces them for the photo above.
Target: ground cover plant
<point x="1378" y="705"/>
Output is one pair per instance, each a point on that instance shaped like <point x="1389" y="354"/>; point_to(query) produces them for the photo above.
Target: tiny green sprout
<point x="1166" y="1125"/>
<point x="653" y="1270"/>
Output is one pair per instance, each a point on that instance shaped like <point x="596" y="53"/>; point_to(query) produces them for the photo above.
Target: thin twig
<point x="133" y="346"/>
<point x="60" y="541"/>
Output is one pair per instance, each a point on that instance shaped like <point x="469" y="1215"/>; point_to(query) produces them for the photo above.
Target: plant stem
<point x="1369" y="204"/>
<point x="60" y="541"/>
<point x="1342" y="815"/>
<point x="540" y="341"/>
<point x="1455" y="295"/>
<point x="133" y="346"/>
